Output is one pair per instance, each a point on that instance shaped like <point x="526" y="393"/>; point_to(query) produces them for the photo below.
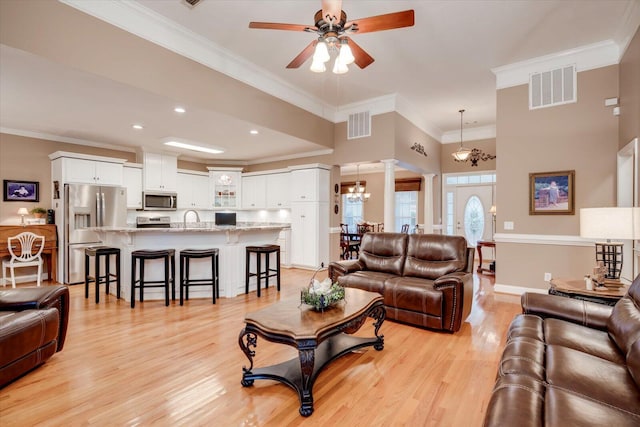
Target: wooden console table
<point x="479" y="246"/>
<point x="319" y="337"/>
<point x="50" y="251"/>
<point x="576" y="288"/>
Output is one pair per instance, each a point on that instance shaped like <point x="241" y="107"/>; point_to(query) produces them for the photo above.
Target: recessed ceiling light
<point x="190" y="146"/>
<point x="180" y="110"/>
<point x="253" y="132"/>
<point x="137" y="127"/>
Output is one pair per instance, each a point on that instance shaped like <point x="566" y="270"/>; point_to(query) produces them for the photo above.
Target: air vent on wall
<point x="554" y="87"/>
<point x="192" y="3"/>
<point x="359" y="125"/>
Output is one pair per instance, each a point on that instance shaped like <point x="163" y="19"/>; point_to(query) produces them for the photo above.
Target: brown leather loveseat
<point x="570" y="363"/>
<point x="425" y="279"/>
<point x="33" y="326"/>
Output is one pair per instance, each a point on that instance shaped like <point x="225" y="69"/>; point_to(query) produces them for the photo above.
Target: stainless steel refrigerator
<point x="89" y="206"/>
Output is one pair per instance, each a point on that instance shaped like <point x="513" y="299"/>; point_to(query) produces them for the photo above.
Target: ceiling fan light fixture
<point x="317" y="66"/>
<point x="346" y="56"/>
<point x="321" y="53"/>
<point x="339" y="67"/>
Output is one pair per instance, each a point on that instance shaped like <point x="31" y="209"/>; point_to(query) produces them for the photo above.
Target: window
<point x="406" y="209"/>
<point x="352" y="213"/>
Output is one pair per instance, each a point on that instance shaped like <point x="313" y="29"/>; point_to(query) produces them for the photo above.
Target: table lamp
<point x="22" y="212"/>
<point x="610" y="223"/>
<point x="493" y="211"/>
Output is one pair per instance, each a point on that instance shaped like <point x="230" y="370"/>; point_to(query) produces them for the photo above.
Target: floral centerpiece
<point x="321" y="295"/>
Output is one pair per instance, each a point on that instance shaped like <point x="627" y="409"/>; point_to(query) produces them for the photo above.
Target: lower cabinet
<point x="310" y="234"/>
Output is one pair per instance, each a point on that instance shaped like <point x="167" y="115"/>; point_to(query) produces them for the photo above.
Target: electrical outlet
<point x="547" y="277"/>
<point x="508" y="225"/>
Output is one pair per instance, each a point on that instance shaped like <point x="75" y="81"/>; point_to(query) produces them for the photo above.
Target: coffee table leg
<point x="307" y="360"/>
<point x="251" y="342"/>
<point x="379" y="313"/>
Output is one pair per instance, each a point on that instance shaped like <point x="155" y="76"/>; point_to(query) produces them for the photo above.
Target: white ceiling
<point x="438" y="66"/>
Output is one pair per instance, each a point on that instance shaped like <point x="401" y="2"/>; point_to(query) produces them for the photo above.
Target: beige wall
<point x="24" y="158"/>
<point x="583" y="137"/>
<point x="630" y="92"/>
<point x="449" y="165"/>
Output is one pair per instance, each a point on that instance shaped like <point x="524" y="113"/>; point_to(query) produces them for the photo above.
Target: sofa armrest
<point x="37" y="298"/>
<point x="342" y="268"/>
<point x="458" y="292"/>
<point x="584" y="313"/>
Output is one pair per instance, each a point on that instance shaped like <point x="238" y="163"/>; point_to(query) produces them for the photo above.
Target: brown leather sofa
<point x="570" y="363"/>
<point x="33" y="326"/>
<point x="425" y="279"/>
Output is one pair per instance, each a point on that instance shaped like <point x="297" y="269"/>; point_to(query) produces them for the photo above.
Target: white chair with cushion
<point x="27" y="243"/>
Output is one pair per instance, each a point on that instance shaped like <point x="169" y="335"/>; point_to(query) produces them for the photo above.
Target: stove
<point x="153" y="222"/>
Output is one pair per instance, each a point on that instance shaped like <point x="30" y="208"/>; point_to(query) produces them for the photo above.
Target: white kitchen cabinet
<point x="310" y="185"/>
<point x="160" y="172"/>
<point x="225" y="184"/>
<point x="82" y="171"/>
<point x="133" y="182"/>
<point x="284" y="241"/>
<point x="193" y="191"/>
<point x="309" y="234"/>
<point x="278" y="190"/>
<point x="254" y="189"/>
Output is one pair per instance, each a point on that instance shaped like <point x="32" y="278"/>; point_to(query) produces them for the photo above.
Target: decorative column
<point x="428" y="202"/>
<point x="390" y="195"/>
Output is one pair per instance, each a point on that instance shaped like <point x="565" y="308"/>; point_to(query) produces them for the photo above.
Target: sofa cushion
<point x="523" y="356"/>
<point x="516" y="400"/>
<point x="431" y="255"/>
<point x="592" y="377"/>
<point x="633" y="362"/>
<point x="624" y="322"/>
<point x="414" y="294"/>
<point x="23" y="332"/>
<point x="383" y="252"/>
<point x="371" y="281"/>
<point x="526" y="325"/>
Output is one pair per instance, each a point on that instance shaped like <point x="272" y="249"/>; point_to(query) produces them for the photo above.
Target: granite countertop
<point x="204" y="227"/>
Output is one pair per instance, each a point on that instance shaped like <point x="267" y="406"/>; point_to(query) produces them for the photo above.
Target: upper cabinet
<point x="193" y="190"/>
<point x="254" y="190"/>
<point x="225" y="184"/>
<point x="160" y="172"/>
<point x="133" y="181"/>
<point x="78" y="168"/>
<point x="278" y="190"/>
<point x="310" y="185"/>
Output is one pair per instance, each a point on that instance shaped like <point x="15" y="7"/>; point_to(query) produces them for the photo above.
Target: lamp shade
<point x="23" y="211"/>
<point x="493" y="209"/>
<point x="610" y="223"/>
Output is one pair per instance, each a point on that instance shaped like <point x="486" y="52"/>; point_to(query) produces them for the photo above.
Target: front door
<point x="473" y="220"/>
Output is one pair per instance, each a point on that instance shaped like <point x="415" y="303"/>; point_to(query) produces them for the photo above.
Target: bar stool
<point x="186" y="255"/>
<point x="169" y="257"/>
<point x="97" y="252"/>
<point x="267" y="250"/>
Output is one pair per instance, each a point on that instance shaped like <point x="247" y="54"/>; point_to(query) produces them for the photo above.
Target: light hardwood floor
<point x="172" y="366"/>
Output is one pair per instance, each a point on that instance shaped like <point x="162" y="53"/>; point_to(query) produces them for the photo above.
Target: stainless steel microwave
<point x="152" y="201"/>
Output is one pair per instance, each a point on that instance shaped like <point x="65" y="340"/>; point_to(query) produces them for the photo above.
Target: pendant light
<point x="462" y="154"/>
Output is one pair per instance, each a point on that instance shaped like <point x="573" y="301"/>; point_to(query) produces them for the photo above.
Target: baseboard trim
<point x="516" y="290"/>
<point x="543" y="239"/>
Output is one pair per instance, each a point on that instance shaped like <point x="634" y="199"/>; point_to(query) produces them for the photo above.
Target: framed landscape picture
<point x="20" y="191"/>
<point x="551" y="193"/>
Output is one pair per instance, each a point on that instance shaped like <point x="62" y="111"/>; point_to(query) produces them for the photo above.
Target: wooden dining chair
<point x="30" y="247"/>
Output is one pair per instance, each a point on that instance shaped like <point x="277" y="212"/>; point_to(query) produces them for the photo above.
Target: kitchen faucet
<point x="184" y="218"/>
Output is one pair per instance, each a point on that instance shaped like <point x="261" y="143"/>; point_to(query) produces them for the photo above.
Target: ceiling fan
<point x="332" y="28"/>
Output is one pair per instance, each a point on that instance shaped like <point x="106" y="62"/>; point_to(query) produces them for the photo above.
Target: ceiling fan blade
<point x="277" y="26"/>
<point x="362" y="58"/>
<point x="384" y="22"/>
<point x="333" y="8"/>
<point x="303" y="56"/>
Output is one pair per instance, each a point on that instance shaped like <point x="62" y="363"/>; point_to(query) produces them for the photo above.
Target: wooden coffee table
<point x="575" y="288"/>
<point x="319" y="336"/>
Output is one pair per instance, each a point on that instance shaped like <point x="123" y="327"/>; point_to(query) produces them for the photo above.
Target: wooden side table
<point x="575" y="288"/>
<point x="479" y="246"/>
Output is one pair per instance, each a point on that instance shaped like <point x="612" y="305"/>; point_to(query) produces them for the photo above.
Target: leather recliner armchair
<point x="33" y="326"/>
<point x="425" y="279"/>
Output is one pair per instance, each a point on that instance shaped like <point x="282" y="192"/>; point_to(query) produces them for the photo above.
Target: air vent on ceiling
<point x="192" y="3"/>
<point x="554" y="87"/>
<point x="359" y="125"/>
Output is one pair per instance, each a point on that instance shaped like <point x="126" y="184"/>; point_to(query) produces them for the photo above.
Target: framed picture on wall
<point x="551" y="193"/>
<point x="20" y="191"/>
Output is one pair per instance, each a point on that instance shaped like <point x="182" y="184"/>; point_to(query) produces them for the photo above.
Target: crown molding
<point x="628" y="29"/>
<point x="470" y="134"/>
<point x="586" y="58"/>
<point x="58" y="138"/>
<point x="409" y="112"/>
<point x="375" y="106"/>
<point x="292" y="156"/>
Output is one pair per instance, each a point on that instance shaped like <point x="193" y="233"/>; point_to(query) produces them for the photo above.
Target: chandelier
<point x="321" y="55"/>
<point x="461" y="154"/>
<point x="357" y="192"/>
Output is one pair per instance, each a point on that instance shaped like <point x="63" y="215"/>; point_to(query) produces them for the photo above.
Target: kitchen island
<point x="231" y="242"/>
